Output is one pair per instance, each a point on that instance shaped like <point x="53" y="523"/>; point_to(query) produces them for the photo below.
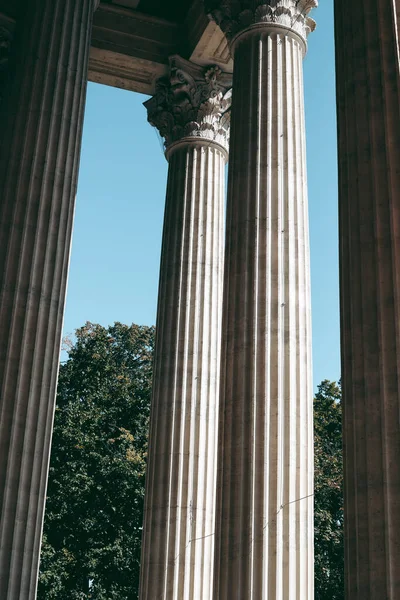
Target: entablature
<point x="131" y="49"/>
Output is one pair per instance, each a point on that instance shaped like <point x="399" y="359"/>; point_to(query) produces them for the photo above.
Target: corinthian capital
<point x="191" y="102"/>
<point x="235" y="16"/>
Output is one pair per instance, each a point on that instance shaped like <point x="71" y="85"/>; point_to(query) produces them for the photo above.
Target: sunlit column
<point x="190" y="110"/>
<point x="264" y="532"/>
<point x="368" y="97"/>
<point x="41" y="114"/>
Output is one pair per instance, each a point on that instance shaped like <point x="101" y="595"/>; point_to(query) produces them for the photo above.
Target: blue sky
<point x="120" y="204"/>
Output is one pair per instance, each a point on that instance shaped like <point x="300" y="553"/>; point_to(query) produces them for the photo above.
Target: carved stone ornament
<point x="5" y="46"/>
<point x="191" y="102"/>
<point x="235" y="16"/>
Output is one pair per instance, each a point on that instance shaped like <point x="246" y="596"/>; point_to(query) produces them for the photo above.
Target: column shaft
<point x="177" y="555"/>
<point x="264" y="533"/>
<point x="41" y="124"/>
<point x="368" y="96"/>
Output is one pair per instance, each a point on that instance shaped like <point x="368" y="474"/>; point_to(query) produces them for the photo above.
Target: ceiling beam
<point x="130" y="50"/>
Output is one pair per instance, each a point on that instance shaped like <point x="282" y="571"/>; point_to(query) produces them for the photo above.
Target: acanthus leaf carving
<point x="235" y="16"/>
<point x="192" y="101"/>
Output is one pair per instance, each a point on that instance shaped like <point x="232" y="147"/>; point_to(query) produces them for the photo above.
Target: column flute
<point x="42" y="102"/>
<point x="264" y="531"/>
<point x="368" y="101"/>
<point x="191" y="111"/>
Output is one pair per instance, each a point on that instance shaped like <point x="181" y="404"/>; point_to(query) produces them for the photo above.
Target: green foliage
<point x="92" y="530"/>
<point x="329" y="552"/>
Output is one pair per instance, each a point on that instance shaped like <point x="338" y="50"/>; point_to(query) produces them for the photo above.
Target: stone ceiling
<point x="133" y="40"/>
<point x="174" y="10"/>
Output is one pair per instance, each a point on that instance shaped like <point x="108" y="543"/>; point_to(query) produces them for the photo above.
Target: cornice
<point x="191" y="102"/>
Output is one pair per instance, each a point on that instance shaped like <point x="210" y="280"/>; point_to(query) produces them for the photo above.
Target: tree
<point x="329" y="552"/>
<point x="93" y="522"/>
<point x="92" y="529"/>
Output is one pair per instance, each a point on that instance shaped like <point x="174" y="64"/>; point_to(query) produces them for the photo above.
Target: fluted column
<point x="368" y="98"/>
<point x="190" y="111"/>
<point x="264" y="532"/>
<point x="41" y="116"/>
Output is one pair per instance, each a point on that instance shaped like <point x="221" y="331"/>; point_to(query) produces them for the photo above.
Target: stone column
<point x="264" y="532"/>
<point x="368" y="99"/>
<point x="41" y="124"/>
<point x="190" y="110"/>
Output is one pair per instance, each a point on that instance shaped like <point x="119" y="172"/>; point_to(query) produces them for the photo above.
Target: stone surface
<point x="206" y="43"/>
<point x="178" y="537"/>
<point x="192" y="102"/>
<point x="235" y="16"/>
<point x="131" y="49"/>
<point x="177" y="556"/>
<point x="368" y="94"/>
<point x="264" y="530"/>
<point x="41" y="118"/>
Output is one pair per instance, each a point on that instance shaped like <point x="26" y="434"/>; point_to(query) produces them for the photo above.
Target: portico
<point x="229" y="504"/>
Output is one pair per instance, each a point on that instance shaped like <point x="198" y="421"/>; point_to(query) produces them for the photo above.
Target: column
<point x="41" y="116"/>
<point x="190" y="110"/>
<point x="264" y="531"/>
<point x="368" y="100"/>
